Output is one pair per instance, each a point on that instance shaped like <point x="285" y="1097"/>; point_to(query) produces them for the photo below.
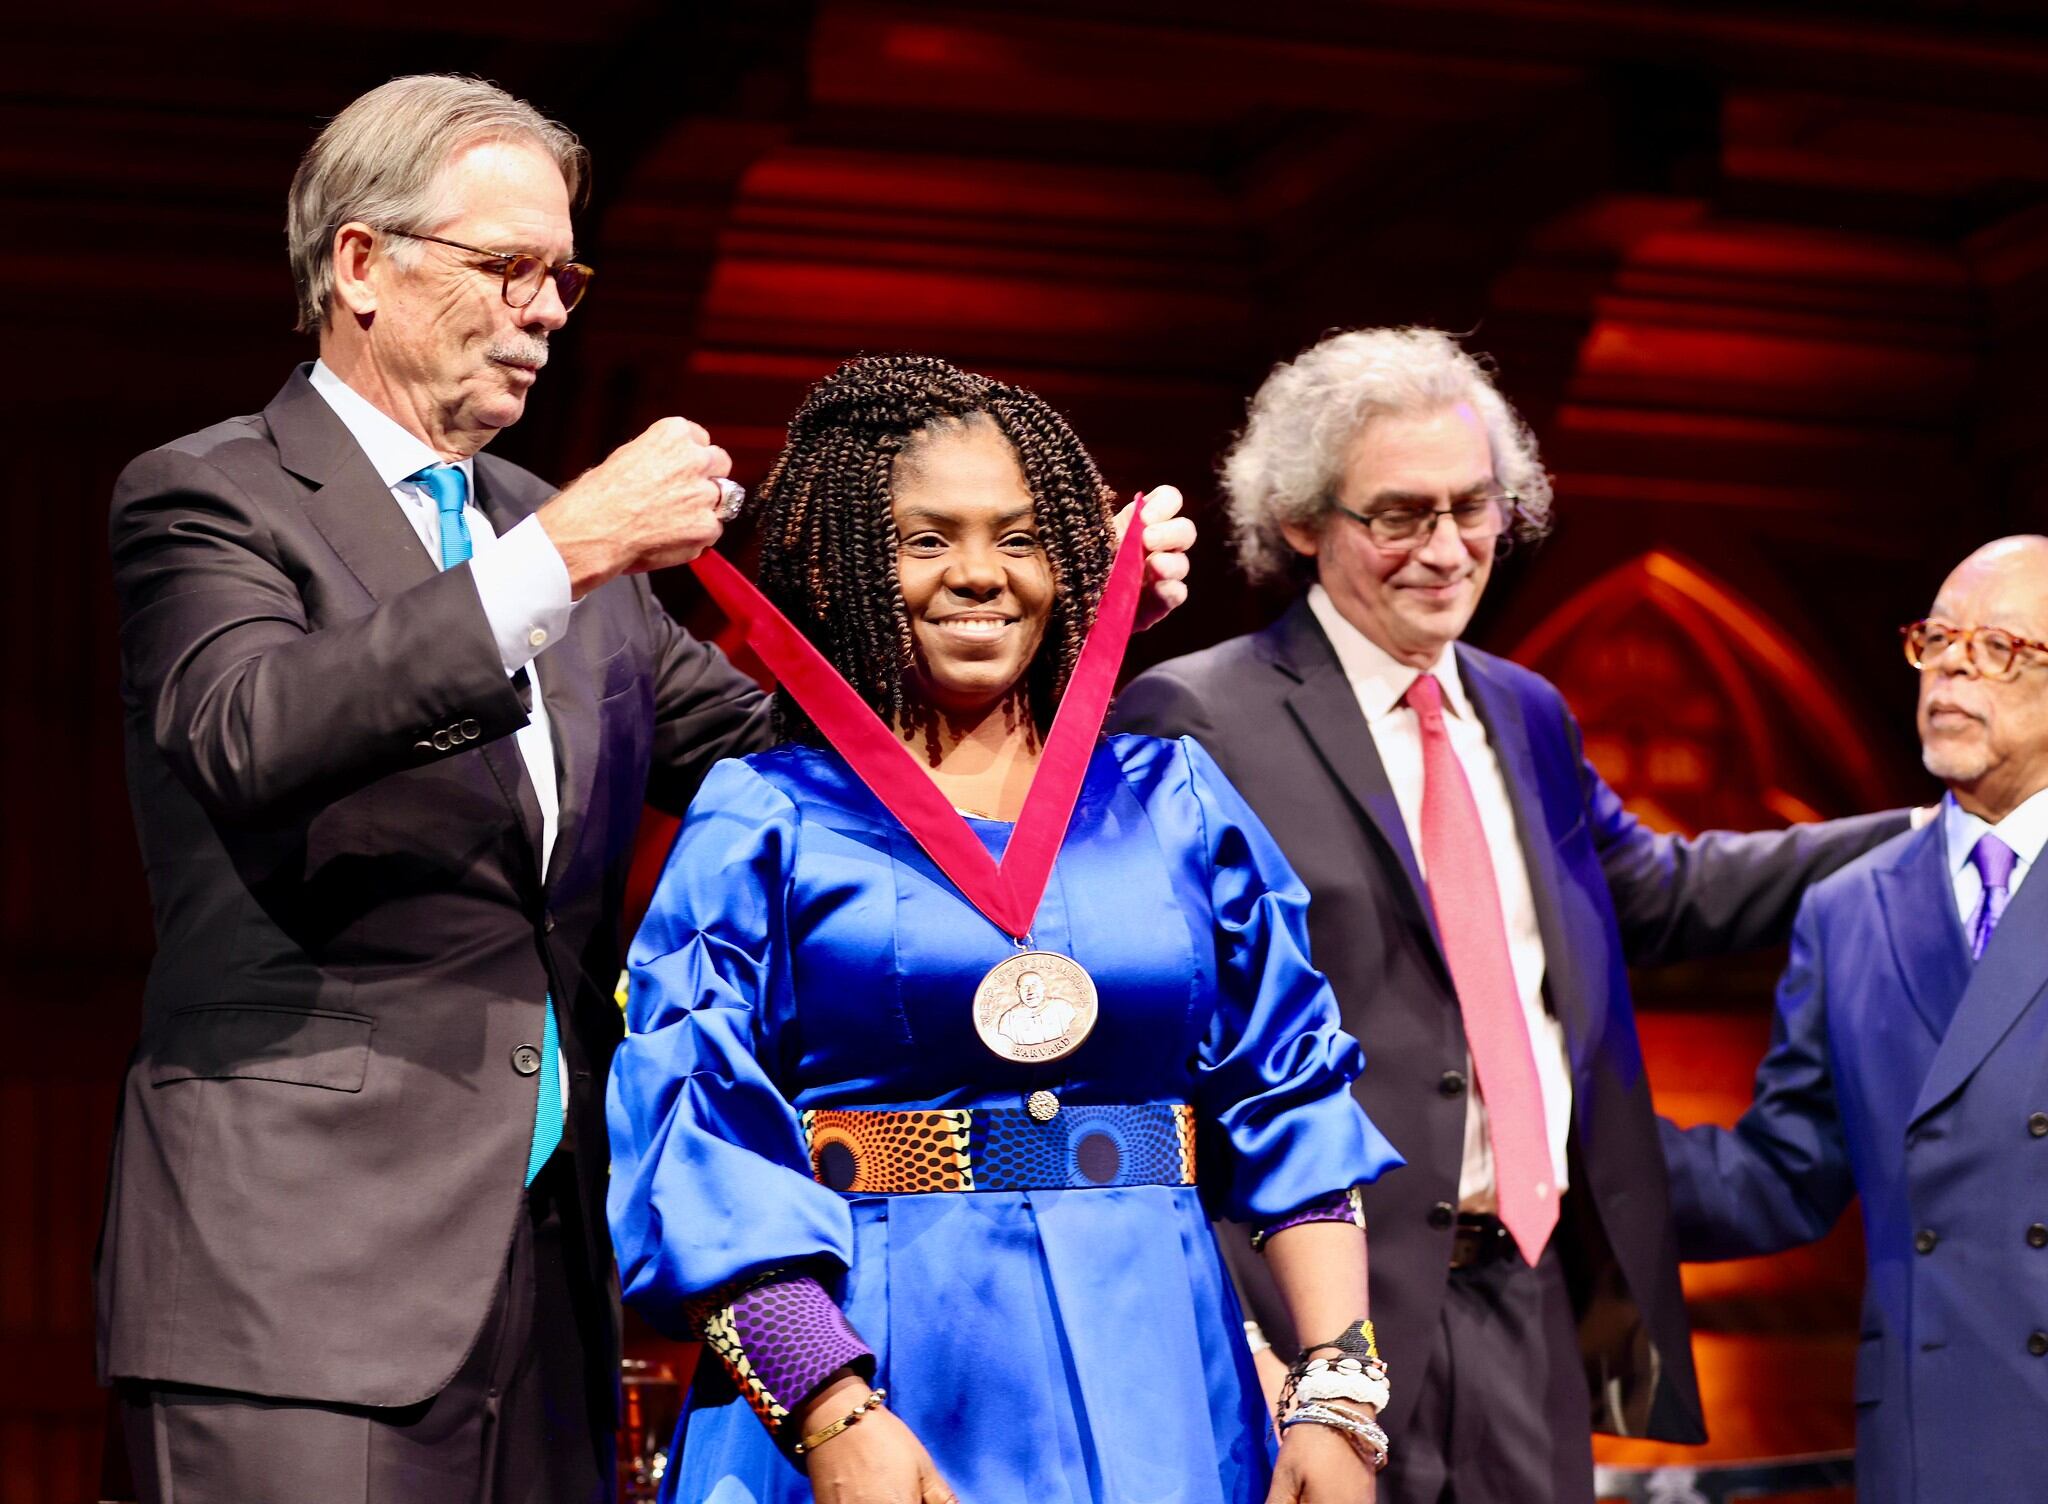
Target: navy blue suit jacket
<point x="1277" y="713"/>
<point x="1943" y="1132"/>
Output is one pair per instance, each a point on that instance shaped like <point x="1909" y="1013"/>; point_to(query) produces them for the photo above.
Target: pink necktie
<point x="1466" y="899"/>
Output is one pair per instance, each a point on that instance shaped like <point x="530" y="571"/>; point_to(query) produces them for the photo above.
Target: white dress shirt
<point x="520" y="578"/>
<point x="1379" y="680"/>
<point x="2025" y="830"/>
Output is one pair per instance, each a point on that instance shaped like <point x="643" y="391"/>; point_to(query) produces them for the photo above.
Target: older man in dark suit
<point x="1909" y="1067"/>
<point x="393" y="708"/>
<point x="1476" y="894"/>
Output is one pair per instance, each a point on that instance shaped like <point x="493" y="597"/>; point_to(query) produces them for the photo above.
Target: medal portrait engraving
<point x="1035" y="1006"/>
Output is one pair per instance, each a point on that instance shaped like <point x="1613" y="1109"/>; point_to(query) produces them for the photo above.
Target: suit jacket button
<point x="423" y="746"/>
<point x="2037" y="1344"/>
<point x="1925" y="1239"/>
<point x="525" y="1059"/>
<point x="2037" y="1236"/>
<point x="441" y="742"/>
<point x="1443" y="1214"/>
<point x="547" y="921"/>
<point x="2038" y="1125"/>
<point x="1451" y="1084"/>
<point x="471" y="731"/>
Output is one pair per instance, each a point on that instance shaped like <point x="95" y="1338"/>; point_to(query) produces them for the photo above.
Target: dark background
<point x="1766" y="279"/>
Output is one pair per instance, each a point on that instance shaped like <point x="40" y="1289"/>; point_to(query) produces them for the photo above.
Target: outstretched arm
<point x="1781" y="1176"/>
<point x="1720" y="891"/>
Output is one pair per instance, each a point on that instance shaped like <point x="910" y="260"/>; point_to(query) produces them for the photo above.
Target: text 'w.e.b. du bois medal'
<point x="1037" y="1005"/>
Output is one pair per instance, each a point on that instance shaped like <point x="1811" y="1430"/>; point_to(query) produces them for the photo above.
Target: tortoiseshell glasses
<point x="522" y="271"/>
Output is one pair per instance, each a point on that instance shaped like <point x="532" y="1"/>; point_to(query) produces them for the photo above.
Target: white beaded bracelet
<point x="1343" y="1379"/>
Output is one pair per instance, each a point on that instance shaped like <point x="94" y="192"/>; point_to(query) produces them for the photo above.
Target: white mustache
<point x="520" y="353"/>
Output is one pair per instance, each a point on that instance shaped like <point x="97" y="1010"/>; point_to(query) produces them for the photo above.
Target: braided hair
<point x="828" y="535"/>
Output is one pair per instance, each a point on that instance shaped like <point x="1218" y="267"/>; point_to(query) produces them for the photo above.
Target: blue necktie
<point x="547" y="1108"/>
<point x="450" y="490"/>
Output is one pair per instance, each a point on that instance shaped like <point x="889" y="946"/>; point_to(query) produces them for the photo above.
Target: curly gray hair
<point x="379" y="161"/>
<point x="1286" y="466"/>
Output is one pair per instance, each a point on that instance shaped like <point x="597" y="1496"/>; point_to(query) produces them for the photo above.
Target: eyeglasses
<point x="523" y="272"/>
<point x="1399" y="529"/>
<point x="1993" y="652"/>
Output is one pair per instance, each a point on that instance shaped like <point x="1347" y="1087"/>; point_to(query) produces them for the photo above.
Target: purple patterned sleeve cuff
<point x="1338" y="1206"/>
<point x="778" y="1339"/>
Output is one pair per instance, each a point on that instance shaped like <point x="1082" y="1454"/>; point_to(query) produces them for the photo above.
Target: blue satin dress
<point x="1047" y="1347"/>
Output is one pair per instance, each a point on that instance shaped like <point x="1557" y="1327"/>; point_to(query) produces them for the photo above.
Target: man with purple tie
<point x="1909" y="1065"/>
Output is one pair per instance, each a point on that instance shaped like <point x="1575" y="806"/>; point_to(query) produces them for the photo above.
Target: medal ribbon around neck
<point x="1008" y="894"/>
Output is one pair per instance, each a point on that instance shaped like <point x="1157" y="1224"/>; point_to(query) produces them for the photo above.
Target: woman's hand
<point x="1318" y="1465"/>
<point x="876" y="1460"/>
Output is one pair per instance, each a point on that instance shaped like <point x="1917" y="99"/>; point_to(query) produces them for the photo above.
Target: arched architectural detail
<point x="1697" y="707"/>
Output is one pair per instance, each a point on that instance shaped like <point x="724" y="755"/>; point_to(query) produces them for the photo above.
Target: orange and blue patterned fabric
<point x="1002" y="1148"/>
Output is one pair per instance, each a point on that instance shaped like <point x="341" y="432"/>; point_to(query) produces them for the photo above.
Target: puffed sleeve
<point x="711" y="1183"/>
<point x="1274" y="1069"/>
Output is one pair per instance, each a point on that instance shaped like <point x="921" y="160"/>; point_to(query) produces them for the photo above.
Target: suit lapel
<point x="1501" y="713"/>
<point x="1326" y="707"/>
<point x="350" y="506"/>
<point x="2010" y="975"/>
<point x="1919" y="904"/>
<point x="354" y="512"/>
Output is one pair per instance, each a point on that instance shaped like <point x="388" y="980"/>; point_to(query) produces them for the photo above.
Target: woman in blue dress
<point x="823" y="1168"/>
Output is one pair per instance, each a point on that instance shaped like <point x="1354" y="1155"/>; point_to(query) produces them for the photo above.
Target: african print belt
<point x="892" y="1153"/>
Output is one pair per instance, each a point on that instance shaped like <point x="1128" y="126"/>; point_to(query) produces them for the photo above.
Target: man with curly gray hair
<point x="1477" y="894"/>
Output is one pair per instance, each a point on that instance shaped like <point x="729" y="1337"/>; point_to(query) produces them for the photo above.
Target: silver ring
<point x="731" y="497"/>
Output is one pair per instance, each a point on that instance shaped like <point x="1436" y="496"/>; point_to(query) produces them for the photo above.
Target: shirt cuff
<point x="524" y="587"/>
<point x="1338" y="1206"/>
<point x="779" y="1339"/>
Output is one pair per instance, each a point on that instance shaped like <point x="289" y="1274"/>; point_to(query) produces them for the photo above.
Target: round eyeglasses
<point x="1399" y="529"/>
<point x="522" y="271"/>
<point x="1992" y="651"/>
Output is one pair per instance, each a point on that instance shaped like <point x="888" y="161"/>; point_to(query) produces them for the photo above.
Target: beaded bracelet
<point x="1355" y="1429"/>
<point x="816" y="1439"/>
<point x="1357" y="1345"/>
<point x="1363" y="1380"/>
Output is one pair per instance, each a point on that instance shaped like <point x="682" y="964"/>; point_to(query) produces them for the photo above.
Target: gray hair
<point x="1286" y="466"/>
<point x="381" y="161"/>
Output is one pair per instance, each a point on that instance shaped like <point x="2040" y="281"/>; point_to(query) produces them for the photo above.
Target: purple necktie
<point x="1994" y="862"/>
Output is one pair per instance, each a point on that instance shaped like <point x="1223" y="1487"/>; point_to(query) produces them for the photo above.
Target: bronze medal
<point x="1034" y="1007"/>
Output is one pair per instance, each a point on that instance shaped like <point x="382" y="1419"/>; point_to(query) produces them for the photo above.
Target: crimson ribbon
<point x="1008" y="894"/>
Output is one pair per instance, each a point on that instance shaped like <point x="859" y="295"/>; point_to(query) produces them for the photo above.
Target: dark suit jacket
<point x="1944" y="1133"/>
<point x="323" y="1130"/>
<point x="1277" y="713"/>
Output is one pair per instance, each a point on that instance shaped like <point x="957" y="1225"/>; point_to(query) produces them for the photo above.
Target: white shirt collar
<point x="1377" y="677"/>
<point x="394" y="450"/>
<point x="2025" y="830"/>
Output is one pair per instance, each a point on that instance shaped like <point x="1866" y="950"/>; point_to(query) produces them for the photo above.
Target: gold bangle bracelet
<point x="816" y="1439"/>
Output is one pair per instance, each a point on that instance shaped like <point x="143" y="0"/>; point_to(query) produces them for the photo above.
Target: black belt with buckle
<point x="1480" y="1239"/>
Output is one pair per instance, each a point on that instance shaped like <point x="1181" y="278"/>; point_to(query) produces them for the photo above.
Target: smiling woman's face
<point x="976" y="582"/>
